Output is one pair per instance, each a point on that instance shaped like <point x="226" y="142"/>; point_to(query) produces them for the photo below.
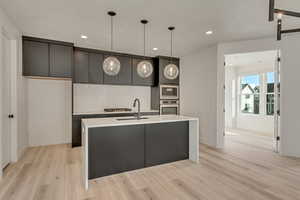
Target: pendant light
<point x="144" y="68"/>
<point x="171" y="71"/>
<point x="111" y="65"/>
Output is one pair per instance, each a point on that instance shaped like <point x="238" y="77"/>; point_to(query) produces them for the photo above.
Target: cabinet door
<point x="115" y="149"/>
<point x="163" y="62"/>
<point x="35" y="58"/>
<point x="95" y="68"/>
<point x="136" y="79"/>
<point x="76" y="130"/>
<point x="166" y="142"/>
<point x="61" y="59"/>
<point x="81" y="65"/>
<point x="124" y="76"/>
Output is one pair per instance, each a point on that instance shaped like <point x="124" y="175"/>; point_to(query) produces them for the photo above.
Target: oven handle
<point x="168" y="106"/>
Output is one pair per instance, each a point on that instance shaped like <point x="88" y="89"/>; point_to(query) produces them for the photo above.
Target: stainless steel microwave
<point x="169" y="92"/>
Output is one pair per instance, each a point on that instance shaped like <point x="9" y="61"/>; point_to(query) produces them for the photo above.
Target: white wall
<point x="257" y="123"/>
<point x="94" y="98"/>
<point x="49" y="106"/>
<point x="290" y="96"/>
<point x="18" y="85"/>
<point x="230" y="97"/>
<point x="198" y="84"/>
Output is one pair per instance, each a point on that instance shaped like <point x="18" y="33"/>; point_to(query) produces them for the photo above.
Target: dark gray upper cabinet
<point x="124" y="76"/>
<point x="138" y="80"/>
<point x="35" y="58"/>
<point x="47" y="58"/>
<point x="95" y="68"/>
<point x="163" y="62"/>
<point x="61" y="60"/>
<point x="81" y="66"/>
<point x="87" y="67"/>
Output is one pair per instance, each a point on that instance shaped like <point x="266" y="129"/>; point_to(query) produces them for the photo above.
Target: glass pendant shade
<point x="144" y="69"/>
<point x="111" y="66"/>
<point x="171" y="71"/>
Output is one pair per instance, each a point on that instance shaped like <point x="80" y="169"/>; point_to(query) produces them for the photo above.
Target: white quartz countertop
<point x="113" y="121"/>
<point x="105" y="113"/>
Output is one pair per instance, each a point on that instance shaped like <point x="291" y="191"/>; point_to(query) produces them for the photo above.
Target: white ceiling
<point x="67" y="19"/>
<point x="264" y="59"/>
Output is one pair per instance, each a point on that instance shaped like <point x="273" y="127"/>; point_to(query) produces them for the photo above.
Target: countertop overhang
<point x="113" y="121"/>
<point x="112" y="113"/>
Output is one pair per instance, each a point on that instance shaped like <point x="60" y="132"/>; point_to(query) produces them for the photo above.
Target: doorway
<point x="252" y="93"/>
<point x="6" y="125"/>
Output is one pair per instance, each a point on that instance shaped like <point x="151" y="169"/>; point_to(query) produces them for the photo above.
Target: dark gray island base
<point x="130" y="145"/>
<point x="122" y="148"/>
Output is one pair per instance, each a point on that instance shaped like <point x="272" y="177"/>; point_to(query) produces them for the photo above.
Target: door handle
<point x="11" y="116"/>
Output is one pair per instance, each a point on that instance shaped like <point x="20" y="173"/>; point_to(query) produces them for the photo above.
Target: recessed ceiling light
<point x="209" y="32"/>
<point x="155" y="49"/>
<point x="84" y="36"/>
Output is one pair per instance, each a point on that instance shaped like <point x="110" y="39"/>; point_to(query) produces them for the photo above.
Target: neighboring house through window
<point x="250" y="94"/>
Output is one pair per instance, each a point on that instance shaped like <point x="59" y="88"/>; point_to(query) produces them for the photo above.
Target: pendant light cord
<point x="144" y="39"/>
<point x="171" y="43"/>
<point x="171" y="29"/>
<point x="111" y="33"/>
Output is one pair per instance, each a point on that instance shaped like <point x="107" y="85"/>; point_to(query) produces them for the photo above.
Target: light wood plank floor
<point x="237" y="172"/>
<point x="248" y="138"/>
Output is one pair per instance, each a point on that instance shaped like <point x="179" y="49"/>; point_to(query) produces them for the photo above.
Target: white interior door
<point x="277" y="104"/>
<point x="6" y="102"/>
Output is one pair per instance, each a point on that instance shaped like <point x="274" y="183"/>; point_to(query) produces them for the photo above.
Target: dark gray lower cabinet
<point x="118" y="149"/>
<point x="166" y="142"/>
<point x="115" y="149"/>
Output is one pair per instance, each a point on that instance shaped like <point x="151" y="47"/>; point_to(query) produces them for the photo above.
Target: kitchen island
<point x="115" y="145"/>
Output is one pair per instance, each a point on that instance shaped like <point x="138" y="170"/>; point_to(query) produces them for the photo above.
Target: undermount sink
<point x="131" y="118"/>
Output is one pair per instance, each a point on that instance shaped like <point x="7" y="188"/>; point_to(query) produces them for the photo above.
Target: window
<point x="270" y="94"/>
<point x="250" y="94"/>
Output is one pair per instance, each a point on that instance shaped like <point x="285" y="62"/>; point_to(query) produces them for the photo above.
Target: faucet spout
<point x="137" y="101"/>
